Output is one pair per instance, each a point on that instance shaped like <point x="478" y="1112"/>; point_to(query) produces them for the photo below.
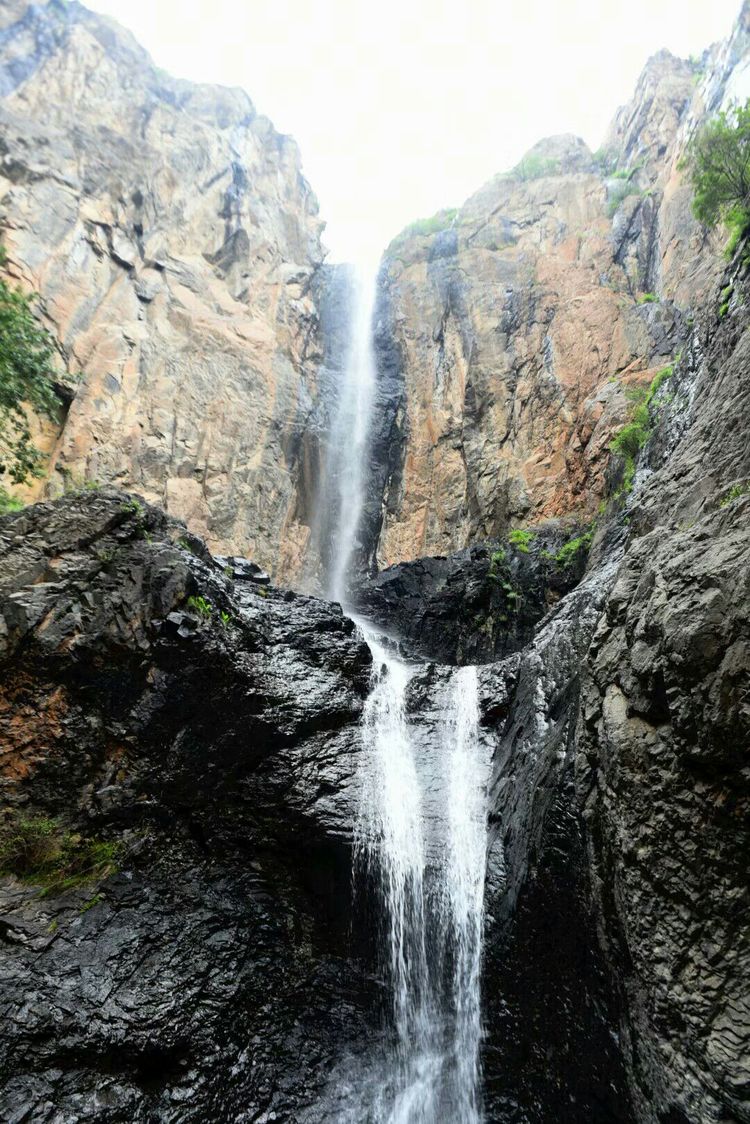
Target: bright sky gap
<point x="408" y="106"/>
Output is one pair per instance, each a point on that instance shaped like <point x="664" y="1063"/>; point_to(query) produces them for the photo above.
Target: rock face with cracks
<point x="173" y="241"/>
<point x="219" y="751"/>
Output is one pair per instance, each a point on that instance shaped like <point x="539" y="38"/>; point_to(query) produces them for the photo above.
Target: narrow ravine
<point x="421" y="832"/>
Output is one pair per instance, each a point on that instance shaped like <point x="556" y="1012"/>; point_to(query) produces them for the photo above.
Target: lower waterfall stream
<point x="421" y="831"/>
<point x="421" y="835"/>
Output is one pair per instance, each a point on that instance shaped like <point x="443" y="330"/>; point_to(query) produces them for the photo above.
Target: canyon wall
<point x="522" y="318"/>
<point x="173" y="241"/>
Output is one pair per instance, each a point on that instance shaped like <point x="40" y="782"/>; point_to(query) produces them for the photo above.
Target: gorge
<point x="374" y="727"/>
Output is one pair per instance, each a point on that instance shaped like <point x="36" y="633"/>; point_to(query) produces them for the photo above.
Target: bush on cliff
<point x="718" y="159"/>
<point x="27" y="380"/>
<point x="45" y="852"/>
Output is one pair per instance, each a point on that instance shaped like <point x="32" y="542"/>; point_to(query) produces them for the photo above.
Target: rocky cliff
<point x="173" y="241"/>
<point x="179" y="738"/>
<point x="522" y="318"/>
<point x="206" y="726"/>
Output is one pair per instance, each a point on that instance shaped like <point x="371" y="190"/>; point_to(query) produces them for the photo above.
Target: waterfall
<point x="464" y="882"/>
<point x="421" y="836"/>
<point x="344" y="485"/>
<point x="421" y="831"/>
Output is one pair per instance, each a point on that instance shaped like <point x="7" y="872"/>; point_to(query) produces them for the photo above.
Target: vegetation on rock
<point x="568" y="553"/>
<point x="45" y="852"/>
<point x="535" y="167"/>
<point x="199" y="605"/>
<point x="27" y="381"/>
<point x="521" y="539"/>
<point x="629" y="441"/>
<point x="718" y="160"/>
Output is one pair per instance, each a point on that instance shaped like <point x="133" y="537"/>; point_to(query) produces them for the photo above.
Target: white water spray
<point x="464" y="882"/>
<point x="422" y="824"/>
<point x="429" y="870"/>
<point x="349" y="436"/>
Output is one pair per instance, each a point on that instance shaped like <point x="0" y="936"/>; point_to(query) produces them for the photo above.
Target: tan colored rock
<point x="519" y="324"/>
<point x="172" y="238"/>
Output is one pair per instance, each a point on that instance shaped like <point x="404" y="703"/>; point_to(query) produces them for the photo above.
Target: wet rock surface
<point x="663" y="742"/>
<point x="206" y="979"/>
<point x="476" y="605"/>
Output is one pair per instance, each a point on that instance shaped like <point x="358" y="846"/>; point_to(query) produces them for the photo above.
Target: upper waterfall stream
<point x="421" y="833"/>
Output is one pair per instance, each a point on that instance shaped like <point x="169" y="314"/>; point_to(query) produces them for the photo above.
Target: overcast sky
<point x="401" y="107"/>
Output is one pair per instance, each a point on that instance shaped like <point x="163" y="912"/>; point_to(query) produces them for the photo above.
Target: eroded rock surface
<point x="521" y="320"/>
<point x="201" y="982"/>
<point x="173" y="240"/>
<point x="664" y="738"/>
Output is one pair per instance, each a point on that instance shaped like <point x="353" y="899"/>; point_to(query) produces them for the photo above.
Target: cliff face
<point x="521" y="319"/>
<point x="173" y="239"/>
<point x="664" y="736"/>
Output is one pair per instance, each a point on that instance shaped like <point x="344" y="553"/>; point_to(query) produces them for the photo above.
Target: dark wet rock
<point x="217" y="744"/>
<point x="663" y="744"/>
<point x="476" y="605"/>
<point x="243" y="570"/>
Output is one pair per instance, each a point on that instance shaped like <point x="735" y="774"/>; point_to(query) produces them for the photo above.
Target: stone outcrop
<point x="218" y="752"/>
<point x="479" y="604"/>
<point x="522" y="318"/>
<point x="173" y="241"/>
<point x="664" y="737"/>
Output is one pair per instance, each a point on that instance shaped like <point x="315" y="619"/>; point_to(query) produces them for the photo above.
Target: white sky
<point x="401" y="107"/>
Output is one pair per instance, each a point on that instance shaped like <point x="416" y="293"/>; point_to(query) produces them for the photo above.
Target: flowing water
<point x="421" y="832"/>
<point x="344" y="487"/>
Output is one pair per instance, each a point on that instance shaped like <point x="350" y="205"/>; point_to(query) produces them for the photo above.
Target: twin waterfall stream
<point x="421" y="833"/>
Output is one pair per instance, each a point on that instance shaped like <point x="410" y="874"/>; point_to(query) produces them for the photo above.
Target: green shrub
<point x="498" y="559"/>
<point x="441" y="220"/>
<point x="648" y="298"/>
<point x="9" y="503"/>
<point x="568" y="553"/>
<point x="618" y="192"/>
<point x="718" y="161"/>
<point x="499" y="574"/>
<point x="734" y="493"/>
<point x="27" y="378"/>
<point x="535" y="167"/>
<point x="45" y="852"/>
<point x="199" y="605"/>
<point x="659" y="379"/>
<point x="605" y="160"/>
<point x="521" y="539"/>
<point x="629" y="441"/>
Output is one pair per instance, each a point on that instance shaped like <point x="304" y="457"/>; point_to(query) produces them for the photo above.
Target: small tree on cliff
<point x="718" y="159"/>
<point x="26" y="381"/>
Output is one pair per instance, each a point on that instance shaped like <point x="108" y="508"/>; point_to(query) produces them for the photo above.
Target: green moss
<point x="43" y="851"/>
